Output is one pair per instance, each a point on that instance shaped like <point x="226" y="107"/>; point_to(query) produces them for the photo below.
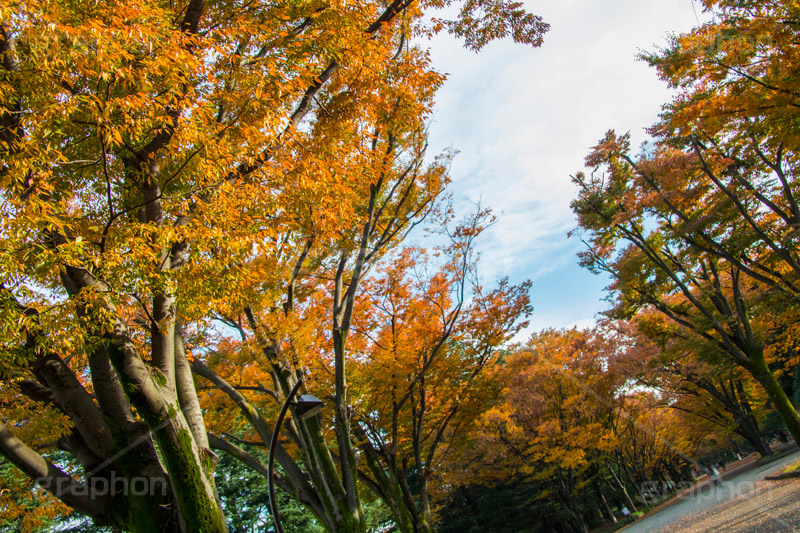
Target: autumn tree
<point x="570" y="421"/>
<point x="430" y="336"/>
<point x="656" y="445"/>
<point x="149" y="156"/>
<point x="656" y="263"/>
<point x="282" y="319"/>
<point x="552" y="423"/>
<point x="710" y="208"/>
<point x="420" y="343"/>
<point x="691" y="377"/>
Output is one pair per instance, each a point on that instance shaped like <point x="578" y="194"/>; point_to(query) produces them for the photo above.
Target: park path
<point x="744" y="503"/>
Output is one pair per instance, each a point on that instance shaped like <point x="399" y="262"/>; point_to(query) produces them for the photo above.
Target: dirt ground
<point x="768" y="507"/>
<point x="744" y="502"/>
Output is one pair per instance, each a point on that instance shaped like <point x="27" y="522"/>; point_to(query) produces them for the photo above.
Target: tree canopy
<point x="164" y="165"/>
<point x="207" y="205"/>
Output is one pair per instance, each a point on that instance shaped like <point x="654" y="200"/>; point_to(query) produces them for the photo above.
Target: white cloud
<point x="523" y="119"/>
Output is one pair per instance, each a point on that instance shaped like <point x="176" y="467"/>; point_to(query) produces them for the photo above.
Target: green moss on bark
<point x="200" y="509"/>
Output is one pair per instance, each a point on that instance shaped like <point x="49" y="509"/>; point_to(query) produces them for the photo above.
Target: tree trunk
<point x="424" y="519"/>
<point x="603" y="502"/>
<point x="749" y="431"/>
<point x="621" y="489"/>
<point x="750" y="424"/>
<point x="188" y="468"/>
<point x="780" y="400"/>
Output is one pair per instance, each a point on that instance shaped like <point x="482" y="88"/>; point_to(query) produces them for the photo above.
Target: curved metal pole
<point x="273" y="507"/>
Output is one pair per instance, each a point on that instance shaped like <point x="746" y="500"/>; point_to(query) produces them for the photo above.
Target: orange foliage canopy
<point x="567" y="419"/>
<point x="702" y="225"/>
<point x="166" y="163"/>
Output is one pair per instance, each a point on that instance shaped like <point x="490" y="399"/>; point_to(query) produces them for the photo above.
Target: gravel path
<point x="770" y="508"/>
<point x="743" y="504"/>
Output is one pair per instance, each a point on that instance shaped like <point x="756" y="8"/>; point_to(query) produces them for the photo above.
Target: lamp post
<point x="305" y="407"/>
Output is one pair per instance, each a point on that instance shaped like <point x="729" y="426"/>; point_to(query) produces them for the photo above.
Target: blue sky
<point x="523" y="119"/>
